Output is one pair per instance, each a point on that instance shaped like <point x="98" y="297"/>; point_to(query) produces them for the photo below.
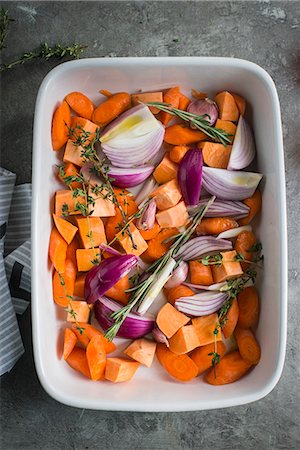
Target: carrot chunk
<point x="228" y="109"/>
<point x="78" y="311"/>
<point x="178" y="291"/>
<point x="57" y="250"/>
<point x="184" y="340"/>
<point x="165" y="171"/>
<point x="88" y="332"/>
<point x="231" y="368"/>
<point x="202" y="356"/>
<point x="216" y="155"/>
<point x="111" y="108"/>
<point x="231" y="319"/>
<point x="205" y="327"/>
<point x="91" y="231"/>
<point x="157" y="246"/>
<point x="248" y="346"/>
<point x="80" y="104"/>
<point x="60" y="126"/>
<point x="118" y="291"/>
<point x="200" y="274"/>
<point x="96" y="358"/>
<point x="215" y="225"/>
<point x="63" y="284"/>
<point x="152" y="233"/>
<point x="248" y="302"/>
<point x="181" y="367"/>
<point x="254" y="203"/>
<point x="65" y="228"/>
<point x="180" y="134"/>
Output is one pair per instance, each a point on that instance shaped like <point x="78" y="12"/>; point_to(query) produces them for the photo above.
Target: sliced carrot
<point x="230" y="268"/>
<point x="165" y="171"/>
<point x="216" y="155"/>
<point x="228" y="109"/>
<point x="142" y="350"/>
<point x="152" y="233"/>
<point x="65" y="228"/>
<point x="80" y="104"/>
<point x="78" y="361"/>
<point x="120" y="369"/>
<point x="83" y="128"/>
<point x="231" y="368"/>
<point x="205" y="327"/>
<point x="60" y="126"/>
<point x="157" y="246"/>
<point x="167" y="195"/>
<point x="254" y="203"/>
<point x="79" y="286"/>
<point x="171" y="96"/>
<point x="74" y="154"/>
<point x="177" y="153"/>
<point x="57" y="250"/>
<point x="78" y="311"/>
<point x="89" y="331"/>
<point x="96" y="358"/>
<point x="184" y="101"/>
<point x="117" y="292"/>
<point x="227" y="126"/>
<point x="200" y="274"/>
<point x="169" y="320"/>
<point x="181" y="367"/>
<point x="248" y="346"/>
<point x="66" y="203"/>
<point x="215" y="225"/>
<point x="231" y="319"/>
<point x="106" y="93"/>
<point x="70" y="340"/>
<point x="111" y="108"/>
<point x="177" y="216"/>
<point x="243" y="245"/>
<point x="180" y="134"/>
<point x="202" y="356"/>
<point x="134" y="243"/>
<point x="147" y="97"/>
<point x="85" y="258"/>
<point x="70" y="170"/>
<point x="177" y="292"/>
<point x="240" y="103"/>
<point x="184" y="340"/>
<point x="91" y="231"/>
<point x="248" y="302"/>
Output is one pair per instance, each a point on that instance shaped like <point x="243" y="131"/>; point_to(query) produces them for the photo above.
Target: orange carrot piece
<point x="231" y="368"/>
<point x="230" y="268"/>
<point x="142" y="350"/>
<point x="78" y="311"/>
<point x="70" y="340"/>
<point x="65" y="203"/>
<point x="248" y="302"/>
<point x="216" y="155"/>
<point x="231" y="319"/>
<point x="70" y="170"/>
<point x="147" y="97"/>
<point x="240" y="103"/>
<point x="83" y="128"/>
<point x="63" y="284"/>
<point x="80" y="104"/>
<point x="254" y="203"/>
<point x="177" y="153"/>
<point x="89" y="331"/>
<point x="184" y="340"/>
<point x="177" y="292"/>
<point x="139" y="246"/>
<point x="78" y="361"/>
<point x="120" y="369"/>
<point x="117" y="292"/>
<point x="85" y="258"/>
<point x="65" y="228"/>
<point x="169" y="320"/>
<point x="202" y="356"/>
<point x="200" y="274"/>
<point x="57" y="250"/>
<point x="243" y="244"/>
<point x="171" y="96"/>
<point x="228" y="109"/>
<point x="96" y="358"/>
<point x="105" y="92"/>
<point x="184" y="101"/>
<point x="205" y="327"/>
<point x="248" y="346"/>
<point x="227" y="126"/>
<point x="79" y="286"/>
<point x="176" y="216"/>
<point x="181" y="134"/>
<point x="152" y="233"/>
<point x="167" y="195"/>
<point x="60" y="126"/>
<point x="91" y="231"/>
<point x="215" y="225"/>
<point x="165" y="171"/>
<point x="157" y="247"/>
<point x="181" y="367"/>
<point x="111" y="108"/>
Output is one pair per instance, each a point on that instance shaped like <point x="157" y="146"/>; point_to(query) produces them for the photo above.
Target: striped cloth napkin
<point x="15" y="208"/>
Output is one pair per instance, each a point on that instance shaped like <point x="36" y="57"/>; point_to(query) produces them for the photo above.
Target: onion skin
<point x="190" y="176"/>
<point x="204" y="106"/>
<point x="126" y="178"/>
<point x="102" y="277"/>
<point x="243" y="148"/>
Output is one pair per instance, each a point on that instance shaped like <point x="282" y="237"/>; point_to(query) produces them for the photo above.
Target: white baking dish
<point x="153" y="390"/>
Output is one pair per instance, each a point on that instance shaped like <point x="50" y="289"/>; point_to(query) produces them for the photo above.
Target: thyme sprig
<point x="198" y="121"/>
<point x="4" y="26"/>
<point x="142" y="289"/>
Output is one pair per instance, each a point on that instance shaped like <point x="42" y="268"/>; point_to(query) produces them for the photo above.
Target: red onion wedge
<point x="224" y="208"/>
<point x="108" y="249"/>
<point x="234" y="232"/>
<point x="243" y="148"/>
<point x="178" y="276"/>
<point x="133" y="327"/>
<point x="159" y="336"/>
<point x="133" y="139"/>
<point x="228" y="184"/>
<point x="201" y="304"/>
<point x="211" y="287"/>
<point x="102" y="277"/>
<point x="126" y="178"/>
<point x="190" y="176"/>
<point x="202" y="245"/>
<point x="147" y="219"/>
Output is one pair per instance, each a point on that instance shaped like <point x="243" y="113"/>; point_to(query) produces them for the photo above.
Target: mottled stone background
<point x="264" y="32"/>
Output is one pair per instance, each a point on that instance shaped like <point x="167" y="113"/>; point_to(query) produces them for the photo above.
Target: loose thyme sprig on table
<point x="200" y="122"/>
<point x="142" y="289"/>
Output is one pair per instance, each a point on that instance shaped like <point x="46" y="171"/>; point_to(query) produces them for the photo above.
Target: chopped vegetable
<point x="202" y="356"/>
<point x="200" y="274"/>
<point x="134" y="243"/>
<point x="70" y="341"/>
<point x="86" y="258"/>
<point x="65" y="228"/>
<point x="231" y="368"/>
<point x="57" y="250"/>
<point x="91" y="231"/>
<point x="142" y="350"/>
<point x="127" y="177"/>
<point x="202" y="304"/>
<point x="180" y="134"/>
<point x="248" y="303"/>
<point x="177" y="216"/>
<point x="60" y="126"/>
<point x="178" y="276"/>
<point x="78" y="311"/>
<point x="254" y="203"/>
<point x="120" y="369"/>
<point x="80" y="104"/>
<point x="181" y="367"/>
<point x="78" y="361"/>
<point x="243" y="149"/>
<point x="205" y="328"/>
<point x="229" y="267"/>
<point x="216" y="155"/>
<point x="177" y="292"/>
<point x="190" y="176"/>
<point x="231" y="319"/>
<point x="196" y="247"/>
<point x="248" y="346"/>
<point x="184" y="340"/>
<point x="107" y="111"/>
<point x="177" y="153"/>
<point x="145" y="97"/>
<point x="215" y="225"/>
<point x="165" y="171"/>
<point x="167" y="195"/>
<point x="206" y="108"/>
<point x="228" y="109"/>
<point x="96" y="358"/>
<point x="169" y="320"/>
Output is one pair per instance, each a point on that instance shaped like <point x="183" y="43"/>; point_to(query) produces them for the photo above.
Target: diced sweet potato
<point x="78" y="311"/>
<point x="240" y="103"/>
<point x="169" y="320"/>
<point x="205" y="327"/>
<point x="184" y="340"/>
<point x="228" y="269"/>
<point x="79" y="286"/>
<point x="227" y="126"/>
<point x="120" y="369"/>
<point x="140" y="245"/>
<point x="167" y="195"/>
<point x="228" y="109"/>
<point x="165" y="171"/>
<point x="142" y="350"/>
<point x="73" y="153"/>
<point x="65" y="203"/>
<point x="147" y="97"/>
<point x="103" y="207"/>
<point x="177" y="216"/>
<point x="216" y="155"/>
<point x="85" y="258"/>
<point x="91" y="231"/>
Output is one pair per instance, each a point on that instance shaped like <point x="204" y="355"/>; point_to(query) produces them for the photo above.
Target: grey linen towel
<point x="15" y="209"/>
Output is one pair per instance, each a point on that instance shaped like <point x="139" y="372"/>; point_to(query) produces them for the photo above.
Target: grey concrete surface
<point x="264" y="32"/>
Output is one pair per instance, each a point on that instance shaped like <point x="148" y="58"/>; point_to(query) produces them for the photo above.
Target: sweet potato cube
<point x="169" y="320"/>
<point x="140" y="245"/>
<point x="228" y="109"/>
<point x="73" y="153"/>
<point x="91" y="231"/>
<point x="165" y="171"/>
<point x="184" y="340"/>
<point x="240" y="102"/>
<point x="227" y="126"/>
<point x="167" y="195"/>
<point x="118" y="370"/>
<point x="78" y="311"/>
<point x="65" y="203"/>
<point x="147" y="97"/>
<point x="177" y="216"/>
<point x="83" y="128"/>
<point x="103" y="207"/>
<point x="205" y="327"/>
<point x="85" y="258"/>
<point x="79" y="286"/>
<point x="228" y="269"/>
<point x="216" y="155"/>
<point x="142" y="350"/>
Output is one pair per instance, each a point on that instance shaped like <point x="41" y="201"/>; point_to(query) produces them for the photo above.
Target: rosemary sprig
<point x="142" y="289"/>
<point x="4" y="25"/>
<point x="45" y="52"/>
<point x="199" y="122"/>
